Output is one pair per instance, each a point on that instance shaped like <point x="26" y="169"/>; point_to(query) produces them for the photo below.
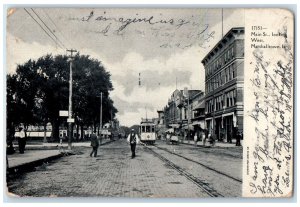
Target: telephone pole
<point x="100" y="114"/>
<point x="70" y="119"/>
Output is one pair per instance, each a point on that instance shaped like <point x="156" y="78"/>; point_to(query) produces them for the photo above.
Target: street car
<point x="147" y="131"/>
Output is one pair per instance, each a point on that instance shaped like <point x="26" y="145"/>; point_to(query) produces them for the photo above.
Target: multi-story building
<point x="160" y="124"/>
<point x="161" y="117"/>
<point x="224" y="84"/>
<point x="198" y="112"/>
<point x="173" y="114"/>
<point x="179" y="111"/>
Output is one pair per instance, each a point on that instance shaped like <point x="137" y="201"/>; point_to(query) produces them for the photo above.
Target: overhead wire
<point x="43" y="29"/>
<point x="49" y="29"/>
<point x="57" y="28"/>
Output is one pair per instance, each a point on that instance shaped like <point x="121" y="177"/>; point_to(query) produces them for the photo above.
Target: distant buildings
<point x="185" y="112"/>
<point x="224" y="84"/>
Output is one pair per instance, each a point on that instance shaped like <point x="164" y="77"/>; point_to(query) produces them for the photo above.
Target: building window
<point x="222" y="101"/>
<point x="230" y="98"/>
<point x="228" y="54"/>
<point x="233" y="72"/>
<point x="226" y="75"/>
<point x="227" y="100"/>
<point x="234" y="97"/>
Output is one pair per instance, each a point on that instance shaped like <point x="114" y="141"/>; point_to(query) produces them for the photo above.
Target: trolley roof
<point x="147" y="122"/>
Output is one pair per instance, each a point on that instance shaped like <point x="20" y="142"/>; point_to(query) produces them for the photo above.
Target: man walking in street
<point x="133" y="139"/>
<point x="94" y="144"/>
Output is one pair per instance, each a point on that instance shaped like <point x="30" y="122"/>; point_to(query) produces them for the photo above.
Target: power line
<point x="49" y="29"/>
<point x="58" y="29"/>
<point x="43" y="29"/>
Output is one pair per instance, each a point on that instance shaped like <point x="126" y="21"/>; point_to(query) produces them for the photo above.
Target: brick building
<point x="224" y="84"/>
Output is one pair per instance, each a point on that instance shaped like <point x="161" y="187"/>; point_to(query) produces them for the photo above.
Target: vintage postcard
<point x="149" y="102"/>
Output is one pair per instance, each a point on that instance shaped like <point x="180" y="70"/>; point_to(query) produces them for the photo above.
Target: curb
<point x="29" y="166"/>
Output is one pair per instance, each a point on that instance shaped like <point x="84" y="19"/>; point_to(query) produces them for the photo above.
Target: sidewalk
<point x="218" y="144"/>
<point x="37" y="154"/>
<point x="17" y="160"/>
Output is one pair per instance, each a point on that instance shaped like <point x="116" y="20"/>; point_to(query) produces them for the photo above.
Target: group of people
<point x="206" y="137"/>
<point x="132" y="139"/>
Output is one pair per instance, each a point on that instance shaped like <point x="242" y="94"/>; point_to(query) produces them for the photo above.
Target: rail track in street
<point x="199" y="182"/>
<point x="199" y="163"/>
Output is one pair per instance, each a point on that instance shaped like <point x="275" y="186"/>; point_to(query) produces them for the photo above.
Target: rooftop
<point x="228" y="35"/>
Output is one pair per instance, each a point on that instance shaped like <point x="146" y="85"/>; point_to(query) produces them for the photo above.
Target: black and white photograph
<point x="148" y="102"/>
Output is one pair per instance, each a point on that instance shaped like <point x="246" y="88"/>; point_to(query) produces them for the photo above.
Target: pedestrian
<point x="204" y="137"/>
<point x="94" y="144"/>
<point x="168" y="137"/>
<point x="195" y="139"/>
<point x="238" y="139"/>
<point x="133" y="139"/>
<point x="211" y="139"/>
<point x="229" y="137"/>
<point x="22" y="140"/>
<point x="101" y="138"/>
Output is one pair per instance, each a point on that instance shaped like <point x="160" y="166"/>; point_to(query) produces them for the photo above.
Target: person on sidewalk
<point x="195" y="139"/>
<point x="238" y="138"/>
<point x="94" y="144"/>
<point x="22" y="140"/>
<point x="211" y="140"/>
<point x="204" y="137"/>
<point x="133" y="139"/>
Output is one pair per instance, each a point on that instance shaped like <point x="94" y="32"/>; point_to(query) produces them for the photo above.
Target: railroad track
<point x="200" y="183"/>
<point x="199" y="163"/>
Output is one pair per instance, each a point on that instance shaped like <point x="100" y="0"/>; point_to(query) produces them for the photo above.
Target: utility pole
<point x="70" y="120"/>
<point x="100" y="114"/>
<point x="222" y="24"/>
<point x="111" y="118"/>
<point x="188" y="116"/>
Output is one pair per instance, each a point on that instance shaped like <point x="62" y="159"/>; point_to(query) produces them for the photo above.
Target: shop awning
<point x="201" y="105"/>
<point x="170" y="130"/>
<point x="190" y="127"/>
<point x="174" y="125"/>
<point x="199" y="123"/>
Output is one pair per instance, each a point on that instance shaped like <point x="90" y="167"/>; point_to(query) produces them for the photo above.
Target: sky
<point x="162" y="46"/>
